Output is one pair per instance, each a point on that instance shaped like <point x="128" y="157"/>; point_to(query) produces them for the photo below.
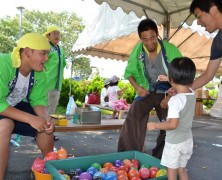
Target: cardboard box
<point x="88" y="116"/>
<point x="86" y="161"/>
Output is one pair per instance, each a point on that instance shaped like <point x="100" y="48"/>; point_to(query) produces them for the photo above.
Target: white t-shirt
<point x="20" y="90"/>
<point x="103" y="95"/>
<point x="112" y="92"/>
<point x="181" y="106"/>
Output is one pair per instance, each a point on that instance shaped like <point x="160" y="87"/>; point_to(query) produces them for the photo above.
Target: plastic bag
<point x="70" y="110"/>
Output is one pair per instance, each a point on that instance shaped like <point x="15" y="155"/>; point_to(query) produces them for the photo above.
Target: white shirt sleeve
<point x="175" y="105"/>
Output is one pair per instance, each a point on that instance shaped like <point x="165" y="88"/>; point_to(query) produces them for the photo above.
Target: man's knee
<point x="6" y="127"/>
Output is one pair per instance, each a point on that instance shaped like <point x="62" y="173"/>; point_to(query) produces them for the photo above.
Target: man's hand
<point x="151" y="126"/>
<point x="141" y="91"/>
<point x="41" y="124"/>
<point x="163" y="78"/>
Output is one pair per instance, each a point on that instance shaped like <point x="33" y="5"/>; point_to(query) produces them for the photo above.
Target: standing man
<point x="54" y="68"/>
<point x="23" y="96"/>
<point x="209" y="15"/>
<point x="149" y="59"/>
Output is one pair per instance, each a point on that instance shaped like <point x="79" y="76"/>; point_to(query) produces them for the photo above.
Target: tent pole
<point x="70" y="85"/>
<point x="180" y="26"/>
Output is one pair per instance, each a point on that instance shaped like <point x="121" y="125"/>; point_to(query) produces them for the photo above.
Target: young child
<point x="104" y="99"/>
<point x="179" y="142"/>
<point x="113" y="93"/>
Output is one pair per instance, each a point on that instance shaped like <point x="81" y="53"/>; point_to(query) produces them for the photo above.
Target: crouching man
<point x="23" y="96"/>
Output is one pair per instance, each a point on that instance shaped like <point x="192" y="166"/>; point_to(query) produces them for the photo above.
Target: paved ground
<point x="205" y="163"/>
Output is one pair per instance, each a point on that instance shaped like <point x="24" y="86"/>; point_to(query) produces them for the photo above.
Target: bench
<point x="105" y="125"/>
<point x="120" y="114"/>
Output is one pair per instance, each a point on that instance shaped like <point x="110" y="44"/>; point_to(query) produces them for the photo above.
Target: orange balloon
<point x="123" y="172"/>
<point x="108" y="165"/>
<point x="62" y="153"/>
<point x="133" y="173"/>
<point x="122" y="177"/>
<point x="104" y="170"/>
<point x="126" y="162"/>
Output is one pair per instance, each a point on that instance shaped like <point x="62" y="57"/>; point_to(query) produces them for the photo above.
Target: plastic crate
<point x="85" y="162"/>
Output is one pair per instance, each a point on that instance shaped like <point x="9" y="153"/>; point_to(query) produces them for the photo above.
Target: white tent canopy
<point x="169" y="13"/>
<point x="107" y="25"/>
<point x="113" y="34"/>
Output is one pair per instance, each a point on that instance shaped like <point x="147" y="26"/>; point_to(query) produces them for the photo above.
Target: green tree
<point x="81" y="67"/>
<point x="36" y="21"/>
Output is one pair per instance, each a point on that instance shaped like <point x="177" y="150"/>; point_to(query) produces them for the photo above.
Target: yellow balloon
<point x="161" y="172"/>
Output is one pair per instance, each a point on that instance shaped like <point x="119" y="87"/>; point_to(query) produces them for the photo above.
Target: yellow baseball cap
<point x="31" y="40"/>
<point x="51" y="29"/>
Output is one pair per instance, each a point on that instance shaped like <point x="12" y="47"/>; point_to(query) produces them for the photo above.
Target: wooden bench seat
<point x="121" y="112"/>
<point x="106" y="124"/>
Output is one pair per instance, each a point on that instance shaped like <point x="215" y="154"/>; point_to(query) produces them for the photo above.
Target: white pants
<point x="53" y="100"/>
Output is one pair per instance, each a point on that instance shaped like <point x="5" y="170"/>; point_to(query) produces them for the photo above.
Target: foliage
<point x="208" y="103"/>
<point x="83" y="87"/>
<point x="81" y="67"/>
<point x="36" y="21"/>
<point x="76" y="91"/>
<point x="130" y="93"/>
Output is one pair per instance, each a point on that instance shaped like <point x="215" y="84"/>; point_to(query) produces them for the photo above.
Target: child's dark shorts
<point x="20" y="127"/>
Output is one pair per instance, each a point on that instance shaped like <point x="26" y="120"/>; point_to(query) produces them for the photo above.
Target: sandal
<point x="56" y="138"/>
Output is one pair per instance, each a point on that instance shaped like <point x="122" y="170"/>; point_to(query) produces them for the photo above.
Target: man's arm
<point x="208" y="75"/>
<point x="37" y="122"/>
<point x="141" y="91"/>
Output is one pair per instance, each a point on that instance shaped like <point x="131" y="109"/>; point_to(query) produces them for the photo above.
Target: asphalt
<point x="205" y="163"/>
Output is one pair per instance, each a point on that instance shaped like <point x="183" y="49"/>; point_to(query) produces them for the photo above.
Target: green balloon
<point x="96" y="165"/>
<point x="145" y="166"/>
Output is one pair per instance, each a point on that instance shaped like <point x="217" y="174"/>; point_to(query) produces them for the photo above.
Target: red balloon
<point x="135" y="161"/>
<point x="135" y="178"/>
<point x="51" y="156"/>
<point x="144" y="173"/>
<point x="152" y="173"/>
<point x="38" y="165"/>
<point x="133" y="165"/>
<point x="114" y="168"/>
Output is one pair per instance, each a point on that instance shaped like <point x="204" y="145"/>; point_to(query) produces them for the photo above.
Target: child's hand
<point x="151" y="126"/>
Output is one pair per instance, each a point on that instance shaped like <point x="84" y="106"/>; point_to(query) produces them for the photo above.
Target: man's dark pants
<point x="133" y="132"/>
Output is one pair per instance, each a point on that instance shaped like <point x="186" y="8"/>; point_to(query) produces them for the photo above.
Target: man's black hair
<point x="205" y="5"/>
<point x="147" y="24"/>
<point x="182" y="71"/>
